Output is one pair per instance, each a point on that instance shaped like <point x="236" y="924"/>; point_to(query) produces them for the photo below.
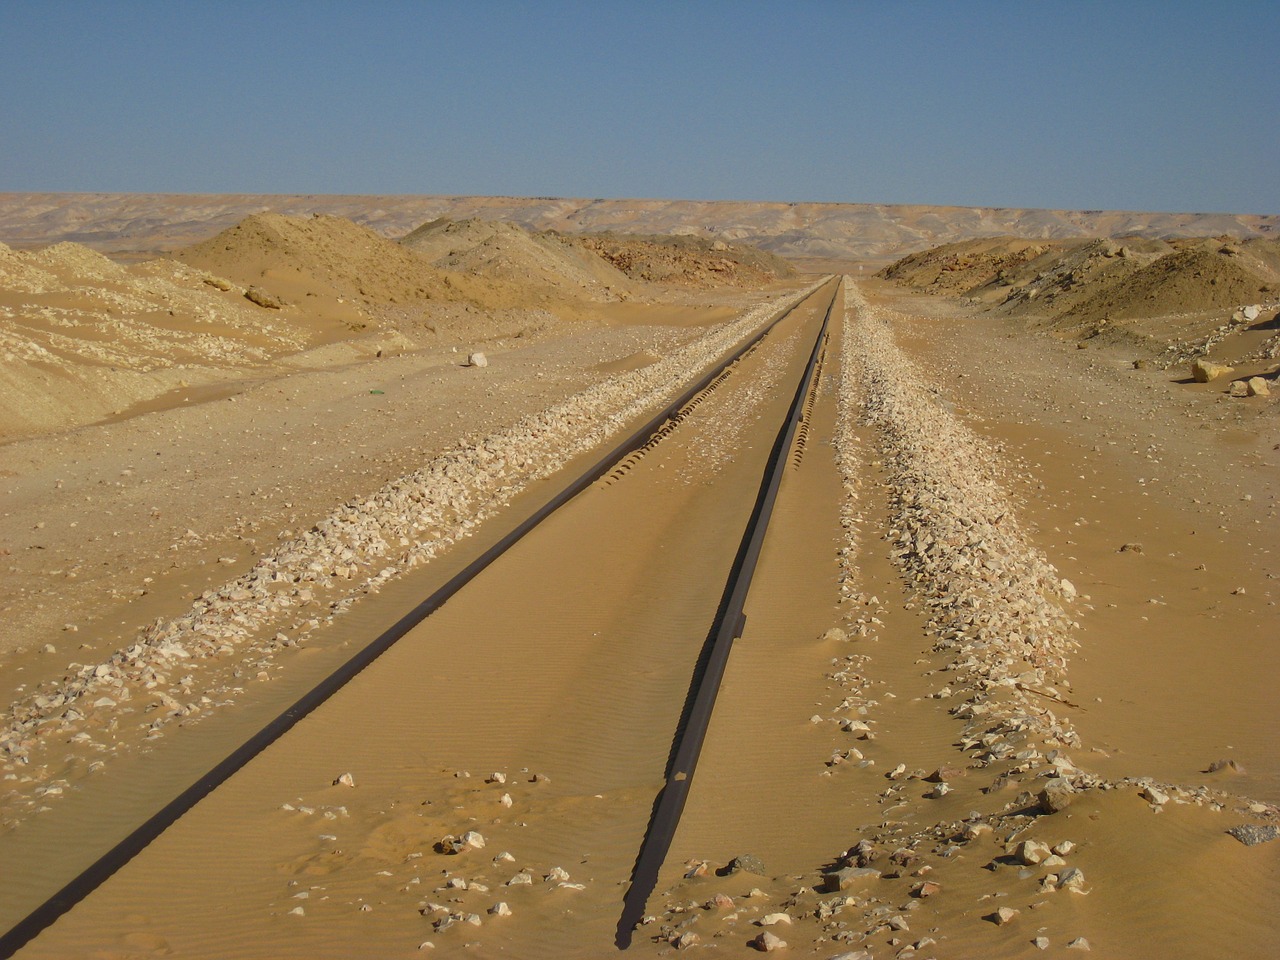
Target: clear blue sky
<point x="1109" y="105"/>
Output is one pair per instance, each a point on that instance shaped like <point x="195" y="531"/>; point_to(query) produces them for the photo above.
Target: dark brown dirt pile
<point x="686" y="260"/>
<point x="958" y="268"/>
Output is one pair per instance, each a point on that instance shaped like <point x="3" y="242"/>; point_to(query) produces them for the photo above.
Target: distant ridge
<point x="151" y="222"/>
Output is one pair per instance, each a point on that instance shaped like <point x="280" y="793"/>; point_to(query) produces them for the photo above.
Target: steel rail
<point x="728" y="625"/>
<point x="126" y="849"/>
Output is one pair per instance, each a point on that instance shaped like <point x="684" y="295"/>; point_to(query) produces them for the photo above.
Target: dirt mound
<point x="686" y="260"/>
<point x="1173" y="300"/>
<point x="83" y="337"/>
<point x="320" y="258"/>
<point x="1070" y="274"/>
<point x="958" y="268"/>
<point x="505" y="251"/>
<point x="1191" y="280"/>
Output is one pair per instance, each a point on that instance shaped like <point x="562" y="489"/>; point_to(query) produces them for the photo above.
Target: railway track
<point x="793" y="343"/>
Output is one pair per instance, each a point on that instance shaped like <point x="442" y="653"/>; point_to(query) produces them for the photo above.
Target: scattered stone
<point x="1003" y="915"/>
<point x="1071" y="879"/>
<point x="1041" y="943"/>
<point x="346" y="780"/>
<point x="767" y="943"/>
<point x="1228" y="765"/>
<point x="1079" y="943"/>
<point x="926" y="889"/>
<point x="721" y="901"/>
<point x="835" y="634"/>
<point x="1238" y="388"/>
<point x="477" y="360"/>
<point x="845" y="877"/>
<point x="558" y="873"/>
<point x="1068" y="589"/>
<point x="1252" y="834"/>
<point x="769" y="919"/>
<point x="938" y="792"/>
<point x="1154" y="796"/>
<point x="748" y="863"/>
<point x="684" y="940"/>
<point x="1251" y="312"/>
<point x="1064" y="848"/>
<point x="1131" y="548"/>
<point x="500" y="909"/>
<point x="1257" y="387"/>
<point x="1056" y="795"/>
<point x="1206" y="371"/>
<point x="1031" y="852"/>
<point x="263" y="299"/>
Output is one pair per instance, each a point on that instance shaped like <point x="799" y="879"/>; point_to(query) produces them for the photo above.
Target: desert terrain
<point x="1005" y="682"/>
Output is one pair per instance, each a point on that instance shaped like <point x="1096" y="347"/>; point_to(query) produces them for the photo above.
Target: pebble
<point x="1252" y="834"/>
<point x="845" y="877"/>
<point x="1079" y="943"/>
<point x="346" y="780"/>
<point x="1031" y="852"/>
<point x="768" y="942"/>
<point x="1041" y="943"/>
<point x="1056" y="795"/>
<point x="748" y="863"/>
<point x="500" y="909"/>
<point x="1003" y="915"/>
<point x="1071" y="879"/>
<point x="1154" y="796"/>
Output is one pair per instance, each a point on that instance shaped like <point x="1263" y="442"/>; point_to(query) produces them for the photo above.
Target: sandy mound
<point x="1187" y="281"/>
<point x="83" y="337"/>
<point x="319" y="258"/>
<point x="1176" y="300"/>
<point x="1069" y="274"/>
<point x="957" y="268"/>
<point x="505" y="251"/>
<point x="686" y="260"/>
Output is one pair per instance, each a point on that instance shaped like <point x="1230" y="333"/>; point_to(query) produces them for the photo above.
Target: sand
<point x="1153" y="497"/>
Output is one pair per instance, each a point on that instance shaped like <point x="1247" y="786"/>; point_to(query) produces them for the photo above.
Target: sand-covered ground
<point x="1005" y="565"/>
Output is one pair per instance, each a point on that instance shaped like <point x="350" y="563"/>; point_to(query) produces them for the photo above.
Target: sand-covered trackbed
<point x="1003" y="688"/>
